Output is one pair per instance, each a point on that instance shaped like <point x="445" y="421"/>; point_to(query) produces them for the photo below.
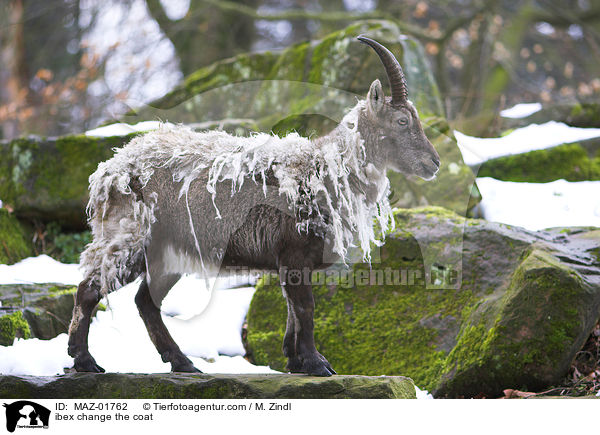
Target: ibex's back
<point x="175" y="201"/>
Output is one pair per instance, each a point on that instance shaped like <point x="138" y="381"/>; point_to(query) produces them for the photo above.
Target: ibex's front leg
<point x="299" y="344"/>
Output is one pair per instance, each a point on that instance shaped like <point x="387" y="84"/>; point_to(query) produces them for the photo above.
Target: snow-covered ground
<point x="206" y="326"/>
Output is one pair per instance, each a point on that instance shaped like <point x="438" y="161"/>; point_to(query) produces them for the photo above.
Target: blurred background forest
<point x="69" y="65"/>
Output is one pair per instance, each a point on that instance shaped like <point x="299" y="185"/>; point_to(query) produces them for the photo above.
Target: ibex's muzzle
<point x="430" y="162"/>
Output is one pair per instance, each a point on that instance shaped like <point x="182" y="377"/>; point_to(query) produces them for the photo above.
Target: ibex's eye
<point x="403" y="121"/>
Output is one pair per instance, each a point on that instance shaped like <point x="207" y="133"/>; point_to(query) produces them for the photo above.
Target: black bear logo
<point x="27" y="414"/>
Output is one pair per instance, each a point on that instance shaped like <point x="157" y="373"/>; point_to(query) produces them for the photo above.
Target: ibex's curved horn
<point x="392" y="68"/>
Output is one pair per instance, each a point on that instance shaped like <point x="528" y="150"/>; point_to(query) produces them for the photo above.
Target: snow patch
<point x="477" y="150"/>
<point x="40" y="269"/>
<point x="536" y="206"/>
<point x="521" y="110"/>
<point x="423" y="394"/>
<point x="122" y="129"/>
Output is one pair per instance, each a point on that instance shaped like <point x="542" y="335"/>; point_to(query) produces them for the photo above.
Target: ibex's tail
<point x="120" y="218"/>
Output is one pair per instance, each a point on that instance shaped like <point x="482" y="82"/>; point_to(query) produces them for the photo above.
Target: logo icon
<point x="26" y="414"/>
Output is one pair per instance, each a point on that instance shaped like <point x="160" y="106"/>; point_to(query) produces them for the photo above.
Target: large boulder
<point x="203" y="386"/>
<point x="46" y="179"/>
<point x="320" y="77"/>
<point x="462" y="306"/>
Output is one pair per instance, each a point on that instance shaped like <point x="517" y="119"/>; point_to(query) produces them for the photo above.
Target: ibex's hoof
<point x="185" y="369"/>
<point x="181" y="364"/>
<point x="313" y="365"/>
<point x="86" y="363"/>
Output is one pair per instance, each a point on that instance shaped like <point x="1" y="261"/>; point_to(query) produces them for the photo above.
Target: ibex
<point x="175" y="201"/>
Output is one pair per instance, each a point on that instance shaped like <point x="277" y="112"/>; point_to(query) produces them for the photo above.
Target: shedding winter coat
<point x="326" y="182"/>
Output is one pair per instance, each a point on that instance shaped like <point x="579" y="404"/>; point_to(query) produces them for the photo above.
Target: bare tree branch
<point x="299" y="14"/>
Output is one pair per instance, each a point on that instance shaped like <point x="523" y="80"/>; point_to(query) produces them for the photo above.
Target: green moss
<point x="13" y="326"/>
<point x="14" y="244"/>
<point x="77" y="156"/>
<point x="244" y="67"/>
<point x="584" y="115"/>
<point x="56" y="291"/>
<point x="570" y="162"/>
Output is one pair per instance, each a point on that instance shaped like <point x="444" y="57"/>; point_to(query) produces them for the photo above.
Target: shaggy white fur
<point x="320" y="176"/>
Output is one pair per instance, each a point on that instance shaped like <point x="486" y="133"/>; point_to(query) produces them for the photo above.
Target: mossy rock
<point x="204" y="386"/>
<point x="524" y="305"/>
<point x="12" y="325"/>
<point x="14" y="242"/>
<point x="47" y="179"/>
<point x="321" y="77"/>
<point x="571" y="162"/>
<point x="46" y="308"/>
<point x="527" y="336"/>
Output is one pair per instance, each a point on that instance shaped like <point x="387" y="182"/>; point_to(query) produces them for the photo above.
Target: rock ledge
<point x="204" y="386"/>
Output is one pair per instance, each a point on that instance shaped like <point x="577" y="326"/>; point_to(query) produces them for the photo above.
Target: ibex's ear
<point x="375" y="96"/>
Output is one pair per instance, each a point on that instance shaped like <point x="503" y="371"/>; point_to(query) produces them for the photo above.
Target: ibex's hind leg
<point x="159" y="334"/>
<point x="88" y="296"/>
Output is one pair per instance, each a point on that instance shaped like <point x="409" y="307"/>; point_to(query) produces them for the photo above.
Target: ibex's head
<point x="390" y="126"/>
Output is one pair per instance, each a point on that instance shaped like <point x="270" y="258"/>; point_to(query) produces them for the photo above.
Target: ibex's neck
<point x="366" y="175"/>
<point x="345" y="133"/>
